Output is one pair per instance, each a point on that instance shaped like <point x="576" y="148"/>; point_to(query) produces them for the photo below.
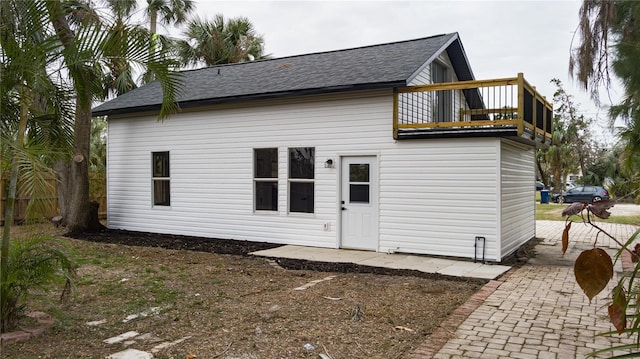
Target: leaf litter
<point x="215" y="295"/>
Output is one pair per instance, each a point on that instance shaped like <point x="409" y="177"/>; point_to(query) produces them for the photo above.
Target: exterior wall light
<point x="328" y="163"/>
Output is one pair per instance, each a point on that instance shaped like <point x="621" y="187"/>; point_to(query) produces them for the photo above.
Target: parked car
<point x="582" y="194"/>
<point x="539" y="186"/>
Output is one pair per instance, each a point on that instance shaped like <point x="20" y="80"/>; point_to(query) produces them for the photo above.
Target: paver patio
<point x="536" y="311"/>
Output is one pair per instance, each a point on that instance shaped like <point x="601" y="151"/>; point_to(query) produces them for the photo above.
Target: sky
<point x="501" y="38"/>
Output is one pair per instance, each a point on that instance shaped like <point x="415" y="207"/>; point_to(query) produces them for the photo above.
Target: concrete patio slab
<point x="451" y="267"/>
<point x="473" y="270"/>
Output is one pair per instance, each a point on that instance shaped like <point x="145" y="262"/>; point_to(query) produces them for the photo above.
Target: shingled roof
<point x="370" y="67"/>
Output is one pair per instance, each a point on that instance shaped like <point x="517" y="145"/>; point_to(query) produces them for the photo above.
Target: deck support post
<point x="521" y="89"/>
<point x="395" y="113"/>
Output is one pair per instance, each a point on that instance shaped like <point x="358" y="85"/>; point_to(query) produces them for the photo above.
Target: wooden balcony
<point x="508" y="107"/>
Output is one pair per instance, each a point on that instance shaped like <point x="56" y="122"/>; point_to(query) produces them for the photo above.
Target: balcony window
<point x="443" y="99"/>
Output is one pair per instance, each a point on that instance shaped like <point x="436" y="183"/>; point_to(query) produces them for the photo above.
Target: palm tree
<point x="89" y="49"/>
<point x="170" y="12"/>
<point x="41" y="42"/>
<point x="220" y="42"/>
<point x="34" y="121"/>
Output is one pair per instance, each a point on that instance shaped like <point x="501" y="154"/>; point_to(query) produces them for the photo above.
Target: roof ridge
<point x="317" y="53"/>
<point x="371" y="67"/>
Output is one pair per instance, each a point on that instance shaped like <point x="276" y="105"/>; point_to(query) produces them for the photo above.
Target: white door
<point x="359" y="202"/>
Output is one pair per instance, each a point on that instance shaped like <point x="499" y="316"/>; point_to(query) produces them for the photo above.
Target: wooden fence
<point x="47" y="208"/>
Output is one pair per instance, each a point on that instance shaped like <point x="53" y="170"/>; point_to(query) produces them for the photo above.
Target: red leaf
<point x="565" y="237"/>
<point x="604" y="204"/>
<point x="617" y="313"/>
<point x="593" y="270"/>
<point x="635" y="255"/>
<point x="599" y="209"/>
<point x="573" y="209"/>
<point x="617" y="317"/>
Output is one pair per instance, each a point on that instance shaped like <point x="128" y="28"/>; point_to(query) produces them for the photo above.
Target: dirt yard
<point x="208" y="299"/>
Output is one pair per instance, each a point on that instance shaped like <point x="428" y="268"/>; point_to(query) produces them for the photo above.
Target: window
<point x="301" y="179"/>
<point x="359" y="183"/>
<point x="160" y="179"/>
<point x="265" y="179"/>
<point x="442" y="109"/>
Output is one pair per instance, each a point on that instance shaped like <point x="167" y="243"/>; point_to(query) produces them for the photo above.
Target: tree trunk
<point x="557" y="180"/>
<point x="543" y="175"/>
<point x="61" y="169"/>
<point x="80" y="216"/>
<point x="153" y="21"/>
<point x="78" y="213"/>
<point x="583" y="165"/>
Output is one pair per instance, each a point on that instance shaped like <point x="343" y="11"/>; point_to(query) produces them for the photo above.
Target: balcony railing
<point x="498" y="107"/>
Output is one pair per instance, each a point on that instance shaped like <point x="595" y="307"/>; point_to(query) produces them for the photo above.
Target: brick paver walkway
<point x="536" y="311"/>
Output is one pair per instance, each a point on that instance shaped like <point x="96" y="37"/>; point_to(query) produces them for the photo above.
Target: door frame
<point x="375" y="192"/>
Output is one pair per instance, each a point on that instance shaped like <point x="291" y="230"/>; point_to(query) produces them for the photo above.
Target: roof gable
<point x="377" y="66"/>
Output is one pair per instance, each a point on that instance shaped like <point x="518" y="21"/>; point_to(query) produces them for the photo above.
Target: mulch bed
<point x="243" y="248"/>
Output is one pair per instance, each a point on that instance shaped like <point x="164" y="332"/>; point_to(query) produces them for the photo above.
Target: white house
<point x="389" y="148"/>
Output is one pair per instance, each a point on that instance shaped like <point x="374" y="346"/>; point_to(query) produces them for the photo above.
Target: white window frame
<point x="267" y="180"/>
<point x="155" y="179"/>
<point x="300" y="180"/>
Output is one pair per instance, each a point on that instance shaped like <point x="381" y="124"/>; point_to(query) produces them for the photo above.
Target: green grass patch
<point x="553" y="212"/>
<point x="136" y="305"/>
<point x="109" y="288"/>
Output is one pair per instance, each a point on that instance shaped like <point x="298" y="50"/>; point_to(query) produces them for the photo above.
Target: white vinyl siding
<point x="518" y="196"/>
<point x="435" y="195"/>
<point x="212" y="171"/>
<point x="421" y="101"/>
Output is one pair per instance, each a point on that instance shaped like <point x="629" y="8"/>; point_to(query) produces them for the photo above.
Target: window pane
<point x="359" y="172"/>
<point x="266" y="196"/>
<point x="359" y="193"/>
<point x="439" y="73"/>
<point x="160" y="164"/>
<point x="301" y="197"/>
<point x="266" y="163"/>
<point x="161" y="194"/>
<point x="442" y="107"/>
<point x="301" y="162"/>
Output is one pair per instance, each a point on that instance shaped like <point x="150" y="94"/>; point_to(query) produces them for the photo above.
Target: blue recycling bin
<point x="544" y="196"/>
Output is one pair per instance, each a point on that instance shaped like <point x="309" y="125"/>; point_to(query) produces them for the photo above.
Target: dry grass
<point x="230" y="306"/>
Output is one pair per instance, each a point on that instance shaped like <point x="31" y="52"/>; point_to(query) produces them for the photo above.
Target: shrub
<point x="35" y="263"/>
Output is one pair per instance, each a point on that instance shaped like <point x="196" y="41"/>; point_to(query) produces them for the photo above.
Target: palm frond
<point x="35" y="263"/>
<point x="37" y="181"/>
